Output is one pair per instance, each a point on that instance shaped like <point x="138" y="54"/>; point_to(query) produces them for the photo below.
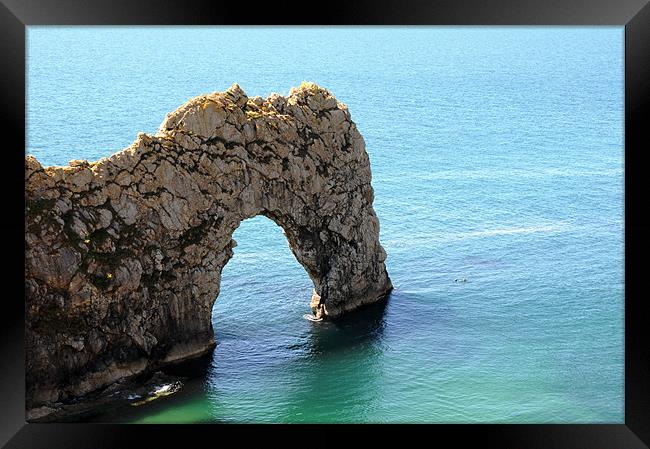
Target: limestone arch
<point x="124" y="255"/>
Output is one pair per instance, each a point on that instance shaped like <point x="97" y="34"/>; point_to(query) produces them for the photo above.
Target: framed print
<point x="353" y="214"/>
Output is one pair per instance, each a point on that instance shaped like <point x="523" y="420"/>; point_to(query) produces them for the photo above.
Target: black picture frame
<point x="15" y="15"/>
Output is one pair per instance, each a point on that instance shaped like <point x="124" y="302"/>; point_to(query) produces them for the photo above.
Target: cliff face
<point x="124" y="255"/>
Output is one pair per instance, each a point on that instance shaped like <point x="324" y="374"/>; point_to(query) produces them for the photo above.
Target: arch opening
<point x="263" y="281"/>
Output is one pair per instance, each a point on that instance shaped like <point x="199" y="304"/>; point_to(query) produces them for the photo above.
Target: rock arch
<point x="124" y="255"/>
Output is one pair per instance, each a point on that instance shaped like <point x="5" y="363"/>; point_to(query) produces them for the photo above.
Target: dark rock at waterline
<point x="134" y="391"/>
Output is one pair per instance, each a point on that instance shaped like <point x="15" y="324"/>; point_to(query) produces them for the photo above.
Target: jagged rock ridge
<point x="124" y="255"/>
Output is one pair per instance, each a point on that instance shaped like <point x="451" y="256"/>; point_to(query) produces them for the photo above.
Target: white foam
<point x="514" y="230"/>
<point x="422" y="239"/>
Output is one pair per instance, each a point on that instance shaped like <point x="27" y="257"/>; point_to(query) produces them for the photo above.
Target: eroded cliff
<point x="124" y="255"/>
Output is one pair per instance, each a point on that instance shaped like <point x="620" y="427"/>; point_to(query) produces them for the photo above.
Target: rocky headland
<point x="124" y="255"/>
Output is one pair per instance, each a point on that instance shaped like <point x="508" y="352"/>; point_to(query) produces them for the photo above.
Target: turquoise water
<point x="497" y="155"/>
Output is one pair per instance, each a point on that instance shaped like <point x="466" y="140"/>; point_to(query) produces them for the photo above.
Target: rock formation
<point x="124" y="255"/>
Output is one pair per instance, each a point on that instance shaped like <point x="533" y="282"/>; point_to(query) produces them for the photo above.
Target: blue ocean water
<point x="497" y="155"/>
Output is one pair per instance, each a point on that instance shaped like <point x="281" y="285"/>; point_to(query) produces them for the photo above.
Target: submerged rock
<point x="124" y="255"/>
<point x="132" y="392"/>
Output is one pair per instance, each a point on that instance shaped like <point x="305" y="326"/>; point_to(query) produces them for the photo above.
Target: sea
<point x="497" y="156"/>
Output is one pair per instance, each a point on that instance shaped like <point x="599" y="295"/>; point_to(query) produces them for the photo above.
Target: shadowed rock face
<point x="124" y="255"/>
